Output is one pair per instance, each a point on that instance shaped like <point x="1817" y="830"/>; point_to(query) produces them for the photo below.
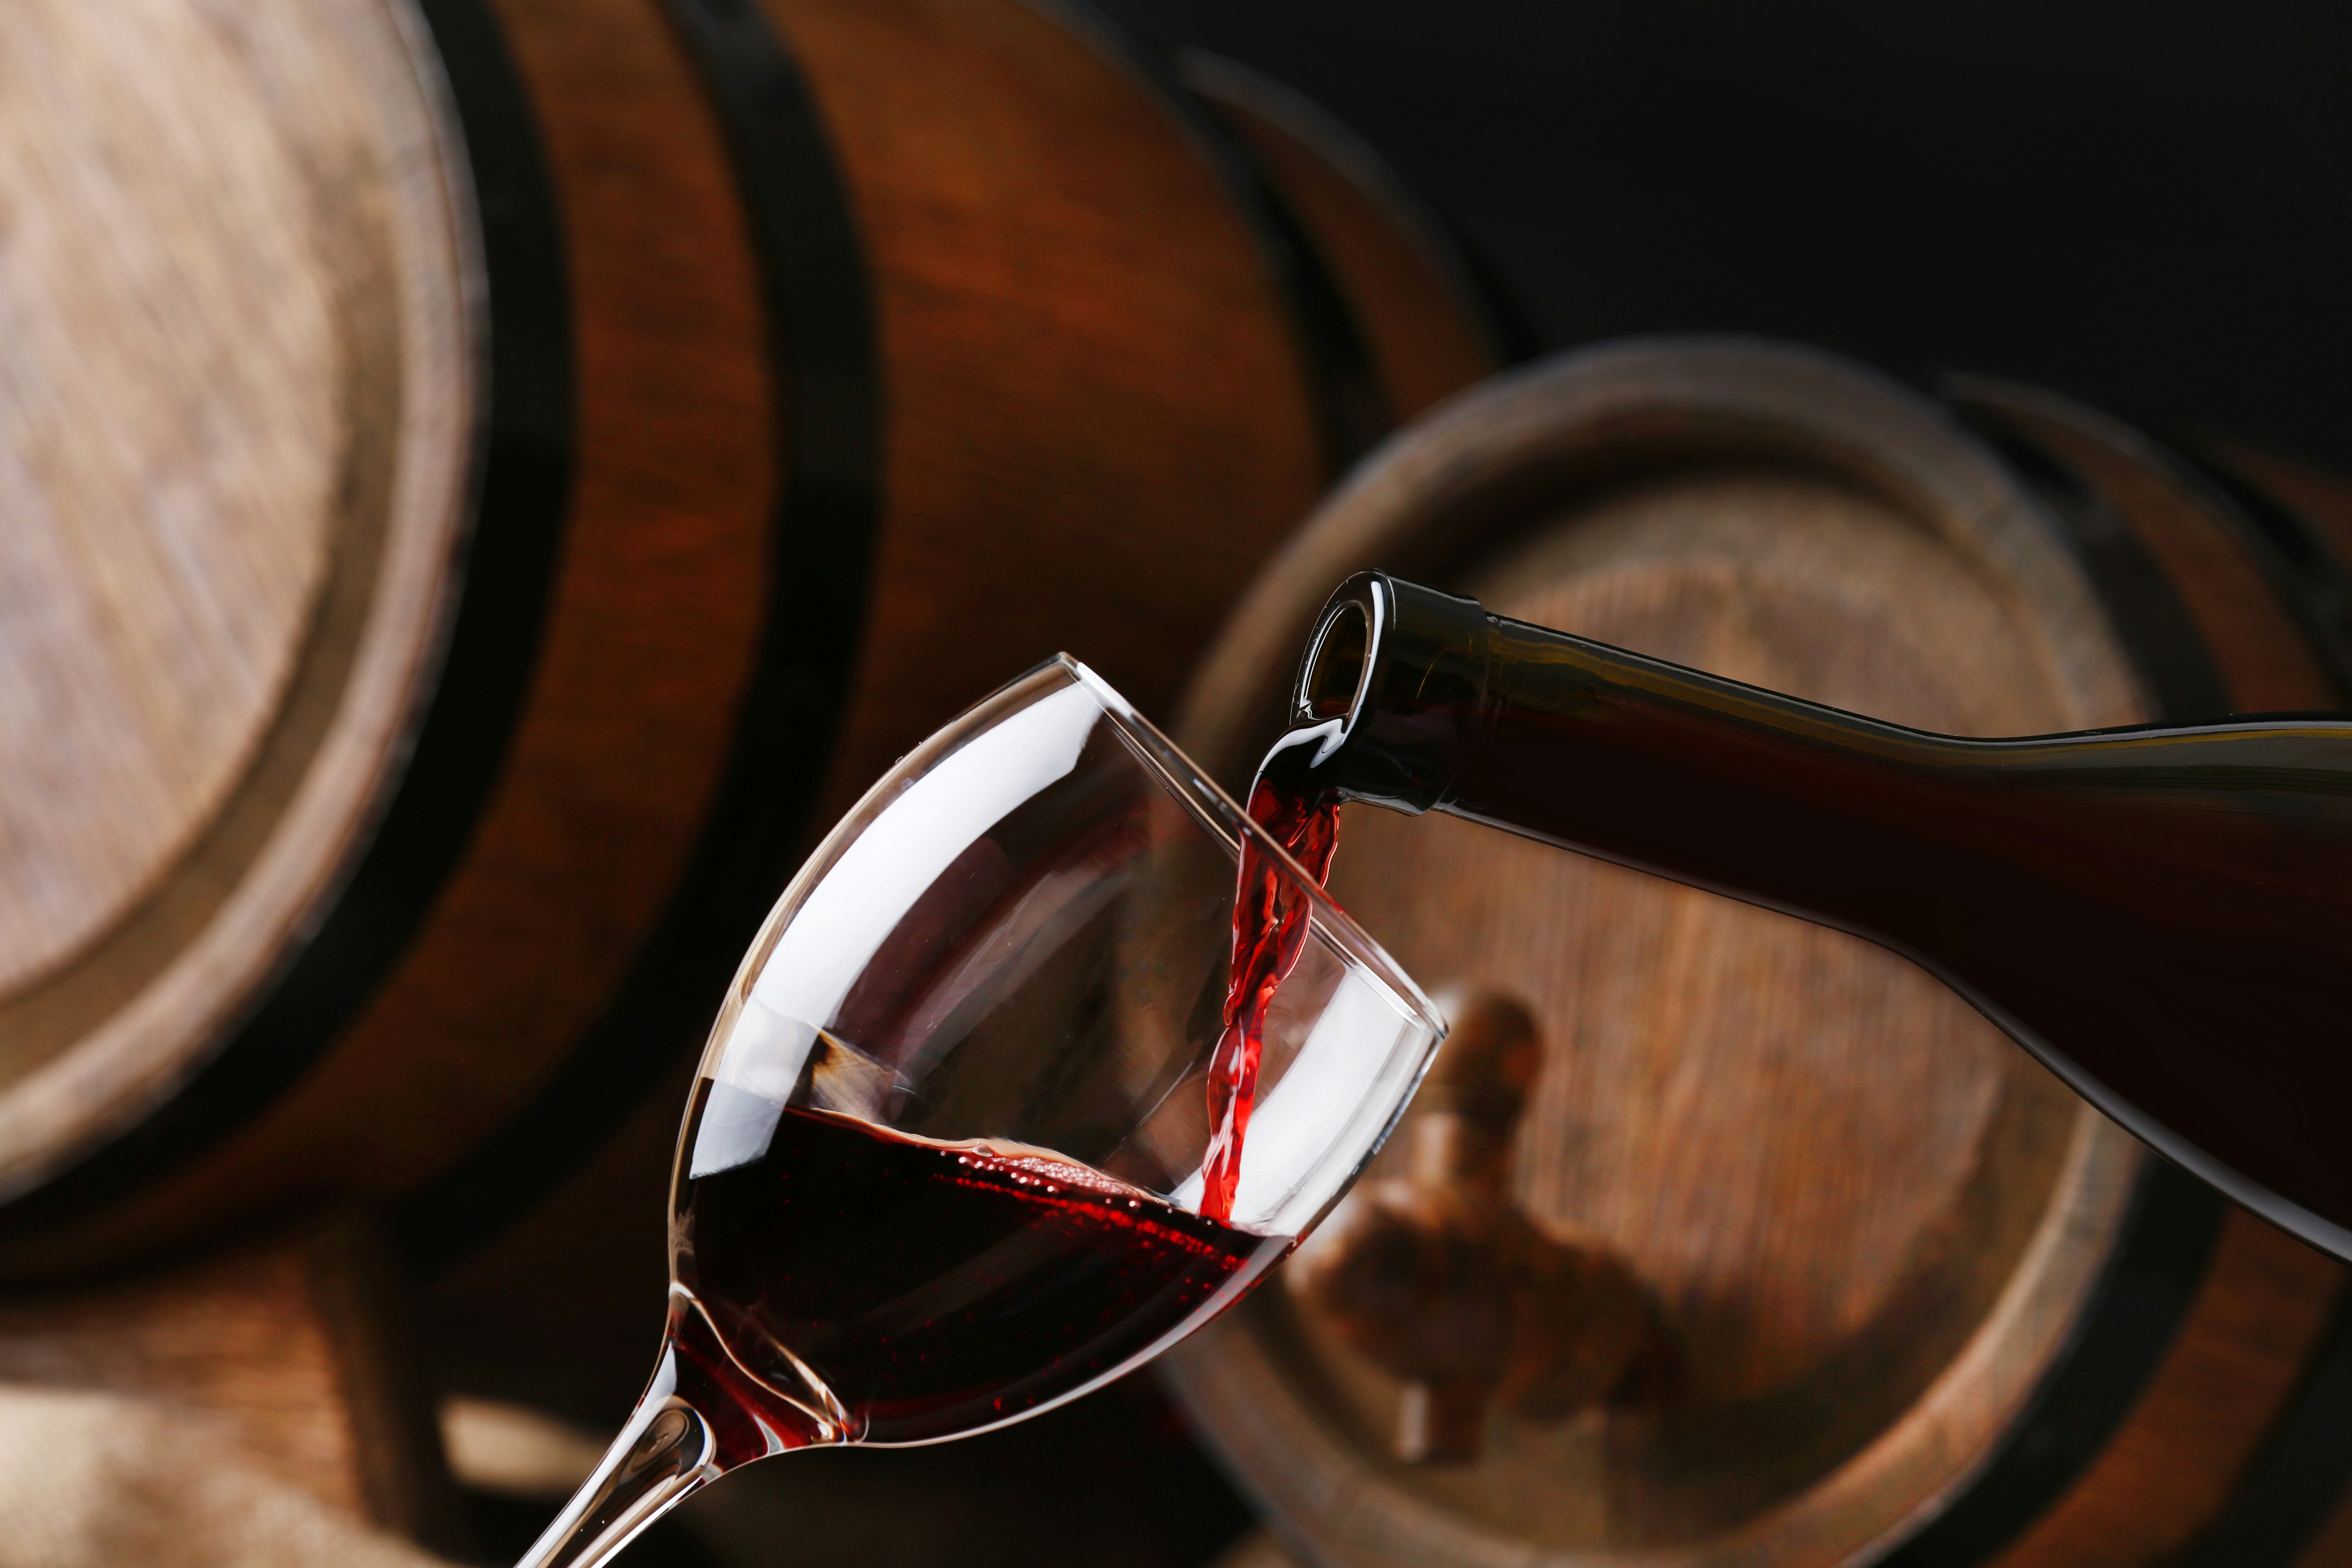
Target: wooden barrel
<point x="555" y="1310"/>
<point x="480" y="474"/>
<point x="1924" y="1306"/>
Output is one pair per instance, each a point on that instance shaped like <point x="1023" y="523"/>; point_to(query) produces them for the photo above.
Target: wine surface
<point x="905" y="1290"/>
<point x="1270" y="925"/>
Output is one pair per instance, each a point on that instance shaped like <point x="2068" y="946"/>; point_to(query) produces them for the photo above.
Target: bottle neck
<point x="1392" y="696"/>
<point x="2158" y="914"/>
<point x="1419" y="700"/>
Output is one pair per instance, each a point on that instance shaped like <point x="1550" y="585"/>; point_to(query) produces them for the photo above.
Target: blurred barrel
<point x="1389" y="254"/>
<point x="1929" y="1307"/>
<point x="483" y="477"/>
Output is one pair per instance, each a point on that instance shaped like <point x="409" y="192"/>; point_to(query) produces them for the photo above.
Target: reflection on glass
<point x="942" y="1169"/>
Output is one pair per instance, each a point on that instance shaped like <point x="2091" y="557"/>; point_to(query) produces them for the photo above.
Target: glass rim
<point x="1222" y="814"/>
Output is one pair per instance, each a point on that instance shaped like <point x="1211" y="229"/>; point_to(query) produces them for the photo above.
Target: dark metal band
<point x="2166" y="1245"/>
<point x="522" y="485"/>
<point x="2158" y="633"/>
<point x="2135" y="1313"/>
<point x="2300" y="1476"/>
<point x="1351" y="408"/>
<point x="2298" y="1480"/>
<point x="827" y="360"/>
<point x="2313" y="586"/>
<point x="1213" y="76"/>
<point x="828" y="375"/>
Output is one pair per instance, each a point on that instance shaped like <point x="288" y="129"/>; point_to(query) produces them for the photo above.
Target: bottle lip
<point x="1334" y="686"/>
<point x="1392" y="673"/>
<point x="1338" y="668"/>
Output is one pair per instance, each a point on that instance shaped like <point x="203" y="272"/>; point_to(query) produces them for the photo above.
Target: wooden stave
<point x="554" y="1310"/>
<point x="1723" y="392"/>
<point x="2282" y="1486"/>
<point x="267" y="1146"/>
<point x="815" y="331"/>
<point x="2188" y="543"/>
<point x="284" y="1134"/>
<point x="2290" y="1460"/>
<point x="518" y="441"/>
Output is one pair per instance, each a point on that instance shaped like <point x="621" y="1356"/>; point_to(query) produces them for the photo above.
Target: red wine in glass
<point x="876" y="1287"/>
<point x="856" y="1283"/>
<point x="1013" y="946"/>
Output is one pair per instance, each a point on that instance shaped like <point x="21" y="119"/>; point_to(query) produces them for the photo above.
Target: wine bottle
<point x="2163" y="915"/>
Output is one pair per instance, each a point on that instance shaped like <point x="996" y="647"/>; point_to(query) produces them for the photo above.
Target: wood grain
<point x="293" y="1350"/>
<point x="1438" y="1276"/>
<point x="2266" y="1299"/>
<point x="241" y="408"/>
<point x="1098" y="424"/>
<point x="2170" y="1469"/>
<point x="652" y="629"/>
<point x="651" y="633"/>
<point x="1869" y="1218"/>
<point x="2267" y="664"/>
<point x="1707" y="1051"/>
<point x="245" y="261"/>
<point x="162" y="564"/>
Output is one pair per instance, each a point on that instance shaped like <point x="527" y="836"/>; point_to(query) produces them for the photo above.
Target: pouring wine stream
<point x="935" y="1177"/>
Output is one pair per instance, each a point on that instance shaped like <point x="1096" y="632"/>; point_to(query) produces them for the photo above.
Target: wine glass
<point x="943" y="1166"/>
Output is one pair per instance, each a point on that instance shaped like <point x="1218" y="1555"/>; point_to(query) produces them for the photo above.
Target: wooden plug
<point x="1443" y="1281"/>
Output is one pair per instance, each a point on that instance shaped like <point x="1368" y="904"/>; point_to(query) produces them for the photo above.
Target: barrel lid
<point x="238" y="291"/>
<point x="1867" y="1222"/>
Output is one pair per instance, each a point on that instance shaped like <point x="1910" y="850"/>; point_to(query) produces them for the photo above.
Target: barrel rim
<point x="1477" y="455"/>
<point x="1485" y="461"/>
<point x="1217" y="78"/>
<point x="2283" y="1498"/>
<point x="503" y="535"/>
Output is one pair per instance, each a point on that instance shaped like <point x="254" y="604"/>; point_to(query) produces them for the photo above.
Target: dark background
<point x="2148" y="206"/>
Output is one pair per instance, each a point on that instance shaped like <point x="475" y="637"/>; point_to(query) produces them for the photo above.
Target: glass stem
<point x="665" y="1455"/>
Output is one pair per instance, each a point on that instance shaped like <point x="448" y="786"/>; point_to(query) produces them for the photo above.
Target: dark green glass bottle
<point x="2163" y="915"/>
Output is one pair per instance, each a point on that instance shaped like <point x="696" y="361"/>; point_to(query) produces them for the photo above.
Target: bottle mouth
<point x="1393" y="679"/>
<point x="1338" y="662"/>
